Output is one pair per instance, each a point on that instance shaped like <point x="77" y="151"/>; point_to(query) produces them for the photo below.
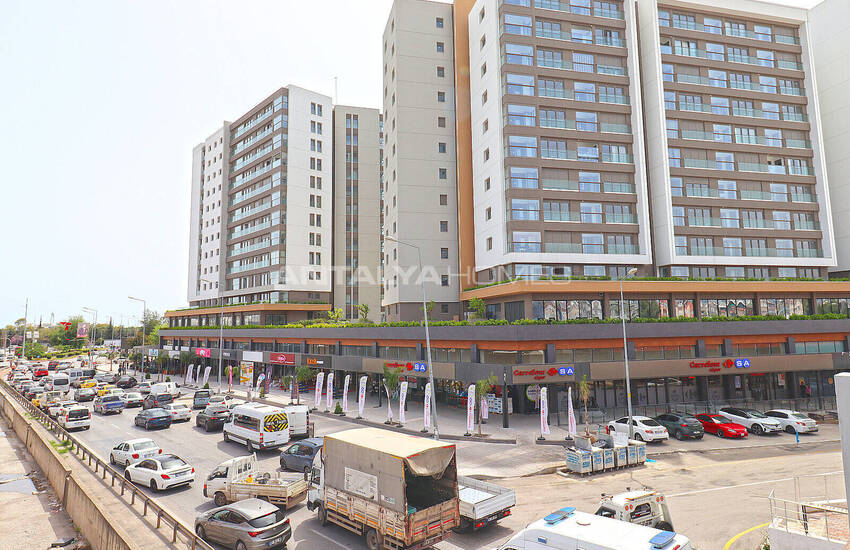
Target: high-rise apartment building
<point x="357" y="202"/>
<point x="262" y="209"/>
<point x="735" y="147"/>
<point x="559" y="184"/>
<point x="420" y="195"/>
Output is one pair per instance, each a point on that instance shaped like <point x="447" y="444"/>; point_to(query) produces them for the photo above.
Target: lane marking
<point x="742" y="485"/>
<point x="731" y="541"/>
<point x="327" y="538"/>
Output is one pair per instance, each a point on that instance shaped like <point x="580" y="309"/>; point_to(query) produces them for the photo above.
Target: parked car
<point x="144" y="388"/>
<point x="133" y="400"/>
<point x="793" y="421"/>
<point x="105" y="404"/>
<point x="212" y="417"/>
<point x="161" y="472"/>
<point x="299" y="456"/>
<point x="222" y="400"/>
<point x="249" y="524"/>
<point x="721" y="426"/>
<point x="153" y="401"/>
<point x="645" y="428"/>
<point x="153" y="418"/>
<point x="179" y="412"/>
<point x="201" y="399"/>
<point x="755" y="421"/>
<point x="681" y="425"/>
<point x="84" y="394"/>
<point x="127" y="382"/>
<point x="132" y="451"/>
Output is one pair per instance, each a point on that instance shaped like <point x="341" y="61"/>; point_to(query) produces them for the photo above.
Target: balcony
<point x="557" y="5"/>
<point x="571" y="125"/>
<point x="244" y="249"/>
<point x="792" y="65"/>
<point x="563" y="35"/>
<point x="804" y="197"/>
<point x="755" y="252"/>
<point x="689" y="52"/>
<point x="250" y="212"/>
<point x="701" y="192"/>
<point x="691" y="79"/>
<point x="806" y="225"/>
<point x="694" y="107"/>
<point x="252" y="140"/>
<point x="243" y="196"/>
<point x="549" y="216"/>
<point x="258" y="118"/>
<point x="701" y="221"/>
<point x="570" y="66"/>
<point x="618" y="187"/>
<point x="248" y="267"/>
<point x="791" y="90"/>
<point x="563" y="248"/>
<point x="739" y="33"/>
<point x="623" y="249"/>
<point x="551" y="184"/>
<point x="758" y="113"/>
<point x="785" y="39"/>
<point x="773" y="142"/>
<point x="744" y="85"/>
<point x="248" y="159"/>
<point x="236" y="233"/>
<point x="610" y="217"/>
<point x="245" y="178"/>
<point x="697" y="135"/>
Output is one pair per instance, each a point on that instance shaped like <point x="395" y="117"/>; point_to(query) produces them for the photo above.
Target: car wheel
<point x="154" y="487"/>
<point x="207" y="427"/>
<point x="219" y="499"/>
<point x="111" y="460"/>
<point x="638" y="437"/>
<point x="664" y="526"/>
<point x="147" y="425"/>
<point x="251" y="448"/>
<point x="283" y="464"/>
<point x="719" y="433"/>
<point x="241" y="546"/>
<point x="226" y="438"/>
<point x="757" y="429"/>
<point x="790" y="429"/>
<point x="373" y="541"/>
<point x="322" y="514"/>
<point x="199" y="530"/>
<point x="127" y="477"/>
<point x="679" y="435"/>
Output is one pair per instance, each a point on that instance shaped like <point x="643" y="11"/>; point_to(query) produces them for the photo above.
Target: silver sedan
<point x="249" y="524"/>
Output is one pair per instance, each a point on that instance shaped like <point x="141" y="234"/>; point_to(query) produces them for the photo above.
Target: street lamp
<point x="220" y="333"/>
<point x="91" y="338"/>
<point x="427" y="336"/>
<point x="629" y="274"/>
<point x="144" y="312"/>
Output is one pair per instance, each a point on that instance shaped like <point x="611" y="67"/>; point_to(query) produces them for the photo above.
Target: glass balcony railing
<point x="618" y="158"/>
<point x="804" y="197"/>
<point x="620" y="218"/>
<point x="245" y="178"/>
<point x="561" y="216"/>
<point x="694" y="107"/>
<point x="747" y="194"/>
<point x="249" y="267"/>
<point x="806" y="225"/>
<point x="563" y="248"/>
<point x="700" y="221"/>
<point x="792" y="90"/>
<point x="692" y="79"/>
<point x="793" y="65"/>
<point x="567" y="36"/>
<point x="614" y="98"/>
<point x="743" y="85"/>
<point x="248" y="159"/>
<point x="701" y="192"/>
<point x="245" y="249"/>
<point x="252" y="140"/>
<point x="689" y="52"/>
<point x="795" y="117"/>
<point x="250" y="212"/>
<point x="567" y="65"/>
<point x="559" y="5"/>
<point x="739" y="58"/>
<point x="236" y="233"/>
<point x="799" y="170"/>
<point x="243" y="196"/>
<point x="548" y="122"/>
<point x="551" y="184"/>
<point x="623" y="249"/>
<point x="785" y="39"/>
<point x="698" y="135"/>
<point x="258" y="118"/>
<point x="757" y="223"/>
<point x="619" y="187"/>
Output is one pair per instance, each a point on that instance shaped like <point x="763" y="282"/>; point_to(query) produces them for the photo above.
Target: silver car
<point x="249" y="524"/>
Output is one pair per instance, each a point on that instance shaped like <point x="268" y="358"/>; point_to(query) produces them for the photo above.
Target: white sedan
<point x="755" y="421"/>
<point x="161" y="472"/>
<point x="645" y="428"/>
<point x="793" y="421"/>
<point x="53" y="409"/>
<point x="130" y="452"/>
<point x="178" y="411"/>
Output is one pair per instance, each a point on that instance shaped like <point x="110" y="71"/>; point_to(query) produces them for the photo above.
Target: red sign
<point x="202" y="352"/>
<point x="537" y="374"/>
<point x="712" y="366"/>
<point x="282" y="358"/>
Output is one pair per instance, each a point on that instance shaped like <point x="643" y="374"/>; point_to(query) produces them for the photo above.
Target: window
<point x="489" y="243"/>
<point x="717" y="78"/>
<point x="770" y="110"/>
<point x="488" y="213"/>
<point x="763" y="33"/>
<point x="441" y="147"/>
<point x="441" y="97"/>
<point x="486" y="154"/>
<point x="589" y="182"/>
<point x="439" y="22"/>
<point x="483" y="69"/>
<point x="487" y="184"/>
<point x="581" y="34"/>
<point x="674" y="155"/>
<point x="518" y="84"/>
<point x="441" y="122"/>
<point x="526" y="241"/>
<point x="781" y="219"/>
<point x="682" y="246"/>
<point x="672" y="128"/>
<point x="723" y="133"/>
<point x="586" y="122"/>
<point x="520" y="54"/>
<point x="444" y="226"/>
<point x="724" y="161"/>
<point x="482" y="42"/>
<point x="485" y="126"/>
<point x="444" y="280"/>
<point x="668" y="71"/>
<point x="714" y="26"/>
<point x="583" y="62"/>
<point x="440" y="47"/>
<point x="591" y="212"/>
<point x="521" y="115"/>
<point x="441" y="72"/>
<point x="727" y="189"/>
<point x="663" y="18"/>
<point x="765" y="58"/>
<point x="442" y="173"/>
<point x="785" y="248"/>
<point x="729" y="217"/>
<point x="720" y="105"/>
<point x="585" y="91"/>
<point x="522" y="146"/>
<point x="592" y="243"/>
<point x="676" y="186"/>
<point x="714" y="51"/>
<point x="484" y="95"/>
<point x="767" y="84"/>
<point x="517" y="24"/>
<point x="444" y="253"/>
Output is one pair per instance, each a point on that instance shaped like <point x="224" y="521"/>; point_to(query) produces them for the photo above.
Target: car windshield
<point x="268" y="519"/>
<point x="170" y="462"/>
<point x="179" y="406"/>
<point x="110" y="398"/>
<point x="754" y="413"/>
<point x="142" y="445"/>
<point x="649" y="422"/>
<point x="217" y="410"/>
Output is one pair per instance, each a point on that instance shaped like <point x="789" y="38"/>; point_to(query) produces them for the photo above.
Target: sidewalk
<point x="33" y="517"/>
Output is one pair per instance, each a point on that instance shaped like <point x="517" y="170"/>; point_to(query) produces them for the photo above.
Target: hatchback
<point x="84" y="394"/>
<point x="249" y="524"/>
<point x="299" y="456"/>
<point x="681" y="425"/>
<point x="156" y="400"/>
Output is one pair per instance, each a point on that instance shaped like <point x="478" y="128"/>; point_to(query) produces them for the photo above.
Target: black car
<point x="153" y="418"/>
<point x="681" y="425"/>
<point x="126" y="382"/>
<point x="84" y="394"/>
<point x="213" y="417"/>
<point x="153" y="401"/>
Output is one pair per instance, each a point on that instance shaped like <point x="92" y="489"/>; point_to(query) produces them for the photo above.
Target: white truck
<point x="399" y="491"/>
<point x="644" y="507"/>
<point x="482" y="503"/>
<point x="241" y="478"/>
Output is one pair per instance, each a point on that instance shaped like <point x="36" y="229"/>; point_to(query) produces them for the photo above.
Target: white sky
<point x="103" y="100"/>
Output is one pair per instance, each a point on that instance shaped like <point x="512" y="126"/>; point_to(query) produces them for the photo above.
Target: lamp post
<point x="220" y="333"/>
<point x="144" y="311"/>
<point x="94" y="334"/>
<point x="629" y="274"/>
<point x="24" y="343"/>
<point x="427" y="336"/>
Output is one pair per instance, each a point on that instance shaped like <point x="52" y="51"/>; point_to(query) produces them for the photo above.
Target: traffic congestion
<point x="246" y="473"/>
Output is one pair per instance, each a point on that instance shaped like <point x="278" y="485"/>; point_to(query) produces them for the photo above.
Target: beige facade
<point x="357" y="202"/>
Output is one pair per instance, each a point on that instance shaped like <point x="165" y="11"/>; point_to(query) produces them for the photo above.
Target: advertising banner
<point x="427" y="418"/>
<point x="246" y="373"/>
<point x="282" y="358"/>
<point x="82" y="330"/>
<point x="361" y="396"/>
<point x="329" y="401"/>
<point x="206" y="375"/>
<point x="402" y="398"/>
<point x="260" y="380"/>
<point x="470" y="408"/>
<point x="202" y="352"/>
<point x="320" y="378"/>
<point x="389" y="404"/>
<point x="254" y="356"/>
<point x="345" y="393"/>
<point x="544" y="412"/>
<point x="571" y="422"/>
<point x="229" y="378"/>
<point x="189" y="374"/>
<point x="484" y="408"/>
<point x="112" y="343"/>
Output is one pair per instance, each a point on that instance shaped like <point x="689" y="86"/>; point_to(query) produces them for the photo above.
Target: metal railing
<point x="825" y="519"/>
<point x="109" y="474"/>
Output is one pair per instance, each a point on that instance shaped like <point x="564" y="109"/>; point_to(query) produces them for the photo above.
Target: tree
<point x="391" y="376"/>
<point x="429" y="307"/>
<point x="363" y="310"/>
<point x="152" y="337"/>
<point x="336" y="315"/>
<point x="584" y="395"/>
<point x="162" y="361"/>
<point x="136" y="358"/>
<point x="34" y="349"/>
<point x="482" y="387"/>
<point x="478" y="308"/>
<point x="185" y="357"/>
<point x="302" y="374"/>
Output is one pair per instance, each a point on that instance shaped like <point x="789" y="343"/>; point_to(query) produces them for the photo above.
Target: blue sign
<point x="420" y="367"/>
<point x="570" y="371"/>
<point x="742" y="363"/>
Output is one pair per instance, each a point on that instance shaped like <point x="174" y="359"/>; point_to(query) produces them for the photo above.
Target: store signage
<point x="202" y="352"/>
<point x="282" y="358"/>
<point x="717" y="366"/>
<point x="314" y="362"/>
<point x="227" y="354"/>
<point x="542" y="373"/>
<point x="417" y="366"/>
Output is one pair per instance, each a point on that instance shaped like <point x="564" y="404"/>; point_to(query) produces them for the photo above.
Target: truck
<point x="399" y="491"/>
<point x="482" y="503"/>
<point x="240" y="478"/>
<point x="643" y="507"/>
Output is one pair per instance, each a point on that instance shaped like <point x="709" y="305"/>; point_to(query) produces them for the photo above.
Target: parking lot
<point x="695" y="475"/>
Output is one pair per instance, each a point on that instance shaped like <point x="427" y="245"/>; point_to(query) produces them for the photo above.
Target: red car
<point x="720" y="426"/>
<point x="40" y="371"/>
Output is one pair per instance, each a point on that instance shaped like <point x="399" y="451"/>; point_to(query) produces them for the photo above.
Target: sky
<point x="103" y="100"/>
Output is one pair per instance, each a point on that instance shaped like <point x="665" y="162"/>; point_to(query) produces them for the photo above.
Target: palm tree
<point x="584" y="395"/>
<point x="481" y="388"/>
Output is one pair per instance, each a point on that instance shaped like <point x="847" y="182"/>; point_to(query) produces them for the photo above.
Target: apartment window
<point x="589" y="182"/>
<point x="679" y="216"/>
<point x="717" y="78"/>
<point x="583" y="62"/>
<point x="730" y="217"/>
<point x="520" y="146"/>
<point x="584" y="91"/>
<point x="521" y="115"/>
<point x="485" y="126"/>
<point x="441" y="147"/>
<point x="441" y="72"/>
<point x="681" y="245"/>
<point x="727" y="189"/>
<point x="767" y="84"/>
<point x="581" y="34"/>
<point x="770" y="111"/>
<point x="482" y="42"/>
<point x="487" y="184"/>
<point x="444" y="253"/>
<point x="444" y="200"/>
<point x="676" y="187"/>
<point x="714" y="51"/>
<point x="781" y="220"/>
<point x="586" y="122"/>
<point x="670" y="100"/>
<point x="484" y="95"/>
<point x="442" y="173"/>
<point x="517" y="24"/>
<point x="720" y="105"/>
<point x="444" y="226"/>
<point x="483" y="69"/>
<point x="441" y="97"/>
<point x="441" y="47"/>
<point x="785" y="248"/>
<point x="521" y="54"/>
<point x="714" y="26"/>
<point x="668" y="71"/>
<point x="674" y="156"/>
<point x="592" y="243"/>
<point x="489" y="243"/>
<point x="763" y="33"/>
<point x="486" y="154"/>
<point x="591" y="212"/>
<point x="765" y="58"/>
<point x="488" y="213"/>
<point x="663" y="18"/>
<point x="439" y="22"/>
<point x="722" y="133"/>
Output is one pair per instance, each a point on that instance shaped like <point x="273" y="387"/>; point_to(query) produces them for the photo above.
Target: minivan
<point x="165" y="387"/>
<point x="299" y="420"/>
<point x="74" y="375"/>
<point x="75" y="416"/>
<point x="156" y="400"/>
<point x="258" y="426"/>
<point x="58" y="382"/>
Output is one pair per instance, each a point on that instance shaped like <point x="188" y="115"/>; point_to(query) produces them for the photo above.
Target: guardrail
<point x="823" y="519"/>
<point x="104" y="470"/>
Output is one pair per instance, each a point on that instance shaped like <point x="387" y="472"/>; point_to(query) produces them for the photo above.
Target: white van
<point x="165" y="387"/>
<point x="74" y="416"/>
<point x="57" y="382"/>
<point x="258" y="426"/>
<point x="74" y="375"/>
<point x="299" y="420"/>
<point x="568" y="529"/>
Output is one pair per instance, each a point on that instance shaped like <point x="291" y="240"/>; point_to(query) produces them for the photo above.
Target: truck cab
<point x="640" y="507"/>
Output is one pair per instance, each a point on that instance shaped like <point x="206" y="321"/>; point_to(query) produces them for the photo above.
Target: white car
<point x="755" y="421"/>
<point x="54" y="409"/>
<point x="645" y="428"/>
<point x="179" y="412"/>
<point x="74" y="416"/>
<point x="793" y="421"/>
<point x="161" y="472"/>
<point x="130" y="452"/>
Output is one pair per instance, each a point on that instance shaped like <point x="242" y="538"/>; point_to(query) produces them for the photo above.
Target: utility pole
<point x="24" y="345"/>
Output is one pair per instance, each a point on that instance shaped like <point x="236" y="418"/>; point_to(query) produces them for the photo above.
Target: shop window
<point x="832" y="305"/>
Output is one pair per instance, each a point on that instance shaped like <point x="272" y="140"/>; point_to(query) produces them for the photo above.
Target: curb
<point x="716" y="449"/>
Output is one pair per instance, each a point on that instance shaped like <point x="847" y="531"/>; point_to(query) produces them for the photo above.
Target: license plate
<point x="275" y="542"/>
